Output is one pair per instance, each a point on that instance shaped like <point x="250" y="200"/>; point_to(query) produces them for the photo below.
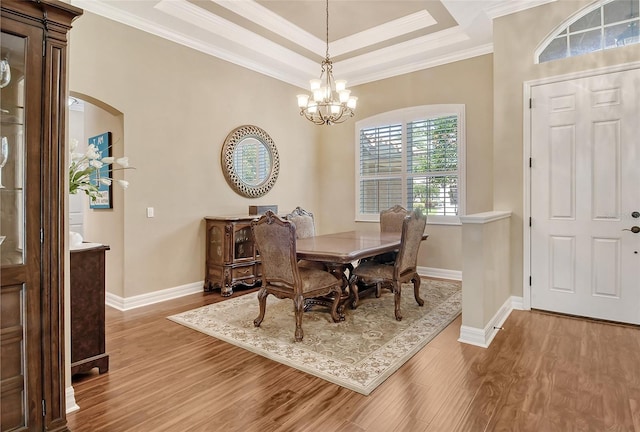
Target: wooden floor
<point x="542" y="373"/>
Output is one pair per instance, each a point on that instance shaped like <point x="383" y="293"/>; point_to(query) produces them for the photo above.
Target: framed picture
<point x="105" y="192"/>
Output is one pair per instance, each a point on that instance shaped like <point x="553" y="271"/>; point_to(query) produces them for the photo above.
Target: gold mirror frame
<point x="231" y="174"/>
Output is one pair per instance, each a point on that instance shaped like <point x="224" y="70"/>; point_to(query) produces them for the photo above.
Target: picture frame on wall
<point x="105" y="192"/>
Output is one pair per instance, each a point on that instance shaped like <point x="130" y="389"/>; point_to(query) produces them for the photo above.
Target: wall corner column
<point x="486" y="294"/>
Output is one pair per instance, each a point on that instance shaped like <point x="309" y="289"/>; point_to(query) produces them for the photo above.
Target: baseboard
<point x="440" y="273"/>
<point x="128" y="303"/>
<point x="484" y="337"/>
<point x="70" y="400"/>
<point x="517" y="302"/>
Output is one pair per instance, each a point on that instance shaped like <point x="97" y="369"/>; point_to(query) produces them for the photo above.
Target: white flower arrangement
<point x="84" y="171"/>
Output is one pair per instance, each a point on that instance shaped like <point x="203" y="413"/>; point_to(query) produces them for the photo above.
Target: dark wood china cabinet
<point x="33" y="88"/>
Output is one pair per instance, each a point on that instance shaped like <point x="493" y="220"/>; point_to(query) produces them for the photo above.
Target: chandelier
<point x="330" y="102"/>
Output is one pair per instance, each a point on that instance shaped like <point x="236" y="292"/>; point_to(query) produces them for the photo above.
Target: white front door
<point x="585" y="190"/>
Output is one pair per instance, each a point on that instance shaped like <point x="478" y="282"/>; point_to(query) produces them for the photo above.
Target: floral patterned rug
<point x="358" y="353"/>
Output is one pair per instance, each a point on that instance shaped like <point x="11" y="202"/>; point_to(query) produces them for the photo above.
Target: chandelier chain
<point x="327" y="29"/>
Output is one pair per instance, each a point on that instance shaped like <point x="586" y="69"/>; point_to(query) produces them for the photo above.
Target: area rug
<point x="358" y="353"/>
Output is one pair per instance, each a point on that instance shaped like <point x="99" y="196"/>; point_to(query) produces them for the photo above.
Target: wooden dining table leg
<point x="338" y="270"/>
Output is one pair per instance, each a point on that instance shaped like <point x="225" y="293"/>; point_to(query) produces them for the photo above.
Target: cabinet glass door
<point x="243" y="243"/>
<point x="20" y="255"/>
<point x="12" y="135"/>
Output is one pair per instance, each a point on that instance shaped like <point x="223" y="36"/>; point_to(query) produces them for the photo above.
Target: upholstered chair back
<point x="305" y="228"/>
<point x="391" y="219"/>
<point x="412" y="231"/>
<point x="404" y="269"/>
<point x="282" y="275"/>
<point x="275" y="239"/>
<point x="304" y="222"/>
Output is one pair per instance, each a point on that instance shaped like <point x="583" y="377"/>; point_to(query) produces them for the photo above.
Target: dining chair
<point x="275" y="238"/>
<point x="391" y="221"/>
<point x="305" y="227"/>
<point x="304" y="222"/>
<point x="403" y="270"/>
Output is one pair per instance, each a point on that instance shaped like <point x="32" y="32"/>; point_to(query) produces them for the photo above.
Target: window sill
<point x="431" y="220"/>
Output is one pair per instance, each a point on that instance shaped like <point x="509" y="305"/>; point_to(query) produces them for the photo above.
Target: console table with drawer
<point x="231" y="257"/>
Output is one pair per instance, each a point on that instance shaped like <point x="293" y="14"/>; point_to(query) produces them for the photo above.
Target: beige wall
<point x="485" y="287"/>
<point x="106" y="226"/>
<point x="466" y="82"/>
<point x="516" y="38"/>
<point x="178" y="106"/>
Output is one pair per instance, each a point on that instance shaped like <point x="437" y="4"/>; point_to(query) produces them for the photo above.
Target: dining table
<point x="339" y="251"/>
<point x="346" y="247"/>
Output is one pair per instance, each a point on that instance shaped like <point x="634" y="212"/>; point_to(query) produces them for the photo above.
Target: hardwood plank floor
<point x="542" y="373"/>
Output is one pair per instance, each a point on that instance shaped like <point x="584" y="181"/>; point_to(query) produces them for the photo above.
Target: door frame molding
<point x="526" y="154"/>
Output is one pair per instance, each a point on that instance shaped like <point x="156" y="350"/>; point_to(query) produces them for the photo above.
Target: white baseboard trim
<point x="517" y="302"/>
<point x="70" y="400"/>
<point x="484" y="337"/>
<point x="440" y="273"/>
<point x="128" y="303"/>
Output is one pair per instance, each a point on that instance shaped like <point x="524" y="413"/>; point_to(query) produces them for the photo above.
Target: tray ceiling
<point x="286" y="39"/>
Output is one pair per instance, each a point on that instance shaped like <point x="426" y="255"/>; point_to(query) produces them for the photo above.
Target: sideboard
<point x="86" y="274"/>
<point x="231" y="257"/>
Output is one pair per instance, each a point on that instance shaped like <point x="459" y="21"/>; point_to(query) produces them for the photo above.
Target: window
<point x="606" y="25"/>
<point x="252" y="161"/>
<point x="413" y="157"/>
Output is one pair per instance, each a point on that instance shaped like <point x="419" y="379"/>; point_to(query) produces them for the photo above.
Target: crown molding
<point x="254" y="52"/>
<point x="365" y="76"/>
<point x="269" y="20"/>
<point x="383" y="32"/>
<point x="264" y="17"/>
<point x="513" y="6"/>
<point x="417" y="46"/>
<point x="221" y="27"/>
<point x="106" y="10"/>
<point x="287" y="72"/>
<point x="278" y="70"/>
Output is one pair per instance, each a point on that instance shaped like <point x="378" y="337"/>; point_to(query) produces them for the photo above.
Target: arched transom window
<point x="606" y="24"/>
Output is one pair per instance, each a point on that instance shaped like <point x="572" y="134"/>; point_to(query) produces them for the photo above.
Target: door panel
<point x="606" y="265"/>
<point x="563" y="257"/>
<point x="585" y="184"/>
<point x="562" y="172"/>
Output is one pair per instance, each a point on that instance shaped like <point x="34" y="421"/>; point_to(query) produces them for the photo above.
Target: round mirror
<point x="250" y="161"/>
